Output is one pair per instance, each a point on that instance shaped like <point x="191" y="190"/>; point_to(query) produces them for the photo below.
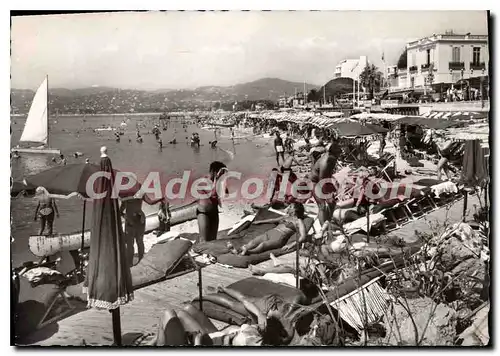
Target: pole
<point x="368" y="224"/>
<point x="117" y="328"/>
<point x="47" y="78"/>
<point x="359" y="86"/>
<point x="353" y="92"/>
<point x="200" y="288"/>
<point x="324" y="94"/>
<point x="465" y="205"/>
<point x="83" y="237"/>
<point x="297" y="261"/>
<point x="305" y="97"/>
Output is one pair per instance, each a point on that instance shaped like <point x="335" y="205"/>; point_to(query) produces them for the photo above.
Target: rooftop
<point x="449" y="36"/>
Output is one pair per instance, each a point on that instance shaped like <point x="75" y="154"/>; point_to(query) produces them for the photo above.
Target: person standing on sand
<point x="135" y="225"/>
<point x="208" y="208"/>
<point x="324" y="169"/>
<point x="278" y="147"/>
<point x="45" y="210"/>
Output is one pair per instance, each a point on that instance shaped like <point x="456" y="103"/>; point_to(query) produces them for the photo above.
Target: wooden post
<point x="117" y="328"/>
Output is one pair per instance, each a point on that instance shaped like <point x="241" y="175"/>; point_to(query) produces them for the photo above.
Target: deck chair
<point x="42" y="296"/>
<point x="383" y="172"/>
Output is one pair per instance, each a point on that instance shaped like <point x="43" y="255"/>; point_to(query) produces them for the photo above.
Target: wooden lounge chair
<point x="37" y="300"/>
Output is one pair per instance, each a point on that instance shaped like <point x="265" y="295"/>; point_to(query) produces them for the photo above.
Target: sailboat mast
<point x="48" y="119"/>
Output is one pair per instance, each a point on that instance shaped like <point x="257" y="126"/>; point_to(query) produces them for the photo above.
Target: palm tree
<point x="371" y="78"/>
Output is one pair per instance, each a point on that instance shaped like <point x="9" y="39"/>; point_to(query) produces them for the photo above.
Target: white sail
<point x="36" y="129"/>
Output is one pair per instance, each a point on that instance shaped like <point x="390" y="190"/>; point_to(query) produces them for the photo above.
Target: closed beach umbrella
<point x="474" y="167"/>
<point x="109" y="283"/>
<point x="474" y="171"/>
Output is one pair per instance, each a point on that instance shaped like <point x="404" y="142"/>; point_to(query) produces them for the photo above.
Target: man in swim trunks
<point x="279" y="148"/>
<point x="135" y="224"/>
<point x="324" y="168"/>
<point x="208" y="208"/>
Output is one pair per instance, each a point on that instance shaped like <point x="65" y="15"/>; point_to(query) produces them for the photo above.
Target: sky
<point x="175" y="50"/>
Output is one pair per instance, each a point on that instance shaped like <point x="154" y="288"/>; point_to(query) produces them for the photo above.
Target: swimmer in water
<point x="16" y="155"/>
<point x="213" y="144"/>
<point x="173" y="142"/>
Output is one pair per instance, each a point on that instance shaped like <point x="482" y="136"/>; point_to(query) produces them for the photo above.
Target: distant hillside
<point x="268" y="88"/>
<point x="113" y="100"/>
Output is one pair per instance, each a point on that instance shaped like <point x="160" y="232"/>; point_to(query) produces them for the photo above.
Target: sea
<point x="70" y="134"/>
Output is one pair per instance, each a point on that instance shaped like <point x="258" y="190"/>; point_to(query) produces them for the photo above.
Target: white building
<point x="350" y="68"/>
<point x="453" y="57"/>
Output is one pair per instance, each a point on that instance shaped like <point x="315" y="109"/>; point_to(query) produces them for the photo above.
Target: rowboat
<point x="43" y="246"/>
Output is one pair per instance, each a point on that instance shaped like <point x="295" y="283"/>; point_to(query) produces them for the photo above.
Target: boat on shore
<point x="36" y="128"/>
<point x="43" y="246"/>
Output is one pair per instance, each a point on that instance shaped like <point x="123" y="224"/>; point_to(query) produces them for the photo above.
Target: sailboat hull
<point x="48" y="151"/>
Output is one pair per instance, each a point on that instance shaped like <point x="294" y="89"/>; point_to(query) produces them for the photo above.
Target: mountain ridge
<point x="116" y="100"/>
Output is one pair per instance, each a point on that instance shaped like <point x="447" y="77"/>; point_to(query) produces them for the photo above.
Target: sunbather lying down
<point x="278" y="236"/>
<point x="276" y="325"/>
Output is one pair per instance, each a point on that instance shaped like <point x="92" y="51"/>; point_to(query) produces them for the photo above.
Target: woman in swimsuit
<point x="277" y="237"/>
<point x="45" y="210"/>
<point x="208" y="211"/>
<point x="190" y="326"/>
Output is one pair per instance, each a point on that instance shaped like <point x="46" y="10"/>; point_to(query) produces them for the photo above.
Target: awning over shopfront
<point x="457" y="115"/>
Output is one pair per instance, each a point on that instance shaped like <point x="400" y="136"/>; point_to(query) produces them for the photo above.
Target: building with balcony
<point x="451" y="56"/>
<point x="350" y="68"/>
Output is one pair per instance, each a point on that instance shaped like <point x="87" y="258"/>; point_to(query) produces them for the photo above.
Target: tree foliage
<point x="313" y="95"/>
<point x="403" y="59"/>
<point x="371" y="78"/>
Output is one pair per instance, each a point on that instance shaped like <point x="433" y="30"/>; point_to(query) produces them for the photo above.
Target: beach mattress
<point x="239" y="261"/>
<point x="158" y="262"/>
<point x="217" y="305"/>
<point x="428" y="182"/>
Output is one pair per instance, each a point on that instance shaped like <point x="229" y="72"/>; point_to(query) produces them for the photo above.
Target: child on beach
<point x="164" y="217"/>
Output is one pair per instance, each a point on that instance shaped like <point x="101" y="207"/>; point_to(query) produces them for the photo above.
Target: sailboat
<point x="36" y="128"/>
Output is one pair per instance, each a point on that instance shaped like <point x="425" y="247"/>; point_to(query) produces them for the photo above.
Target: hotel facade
<point x="453" y="57"/>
